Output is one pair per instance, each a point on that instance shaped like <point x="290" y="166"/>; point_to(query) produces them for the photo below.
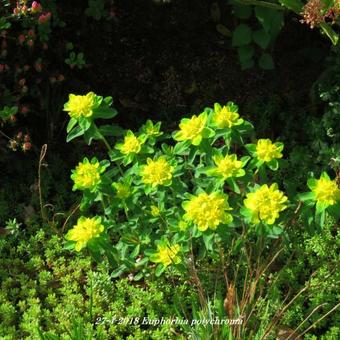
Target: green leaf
<point x="242" y="11"/>
<point x="331" y="34"/>
<point x="84" y="123"/>
<point x="294" y="5"/>
<point x="71" y="124"/>
<point x="245" y="53"/>
<point x="246" y="65"/>
<point x="241" y="35"/>
<point x="261" y="38"/>
<point x="266" y="62"/>
<point x="273" y="164"/>
<point x="111" y="130"/>
<point x="271" y="20"/>
<point x="159" y="270"/>
<point x="208" y="241"/>
<point x="76" y="132"/>
<point x="306" y="196"/>
<point x="104" y="112"/>
<point x="181" y="147"/>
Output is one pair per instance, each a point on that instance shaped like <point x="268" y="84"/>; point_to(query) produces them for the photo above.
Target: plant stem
<point x="261" y="4"/>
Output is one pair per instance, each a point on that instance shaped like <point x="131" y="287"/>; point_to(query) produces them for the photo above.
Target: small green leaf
<point x="245" y="53"/>
<point x="242" y="11"/>
<point x="261" y="38"/>
<point x="294" y="5"/>
<point x="241" y="35"/>
<point x="76" y="132"/>
<point x="266" y="62"/>
<point x="71" y="124"/>
<point x="104" y="113"/>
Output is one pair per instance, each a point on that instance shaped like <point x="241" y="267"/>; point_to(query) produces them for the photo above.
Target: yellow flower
<point x="123" y="191"/>
<point x="267" y="151"/>
<point x="85" y="230"/>
<point x="87" y="175"/>
<point x="192" y="129"/>
<point x="226" y="116"/>
<point x="131" y="144"/>
<point x="266" y="203"/>
<point x="166" y="254"/>
<point x="158" y="172"/>
<point x="80" y="106"/>
<point x="326" y="191"/>
<point x="227" y="167"/>
<point x="155" y="211"/>
<point x="208" y="211"/>
<point x="182" y="225"/>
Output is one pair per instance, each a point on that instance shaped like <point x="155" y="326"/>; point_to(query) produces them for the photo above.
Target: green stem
<point x="261" y="4"/>
<point x="104" y="140"/>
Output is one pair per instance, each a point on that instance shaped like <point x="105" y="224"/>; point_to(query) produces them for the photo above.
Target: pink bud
<point x="16" y="11"/>
<point x="44" y="18"/>
<point x="21" y="39"/>
<point x="30" y="43"/>
<point x="24" y="109"/>
<point x="36" y="7"/>
<point x="26" y="146"/>
<point x="31" y="33"/>
<point x="24" y="9"/>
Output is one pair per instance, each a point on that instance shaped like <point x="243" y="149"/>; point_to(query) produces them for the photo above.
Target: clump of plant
<point x="154" y="202"/>
<point x="260" y="22"/>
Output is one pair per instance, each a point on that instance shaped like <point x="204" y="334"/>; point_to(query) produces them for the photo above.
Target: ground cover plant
<point x="197" y="198"/>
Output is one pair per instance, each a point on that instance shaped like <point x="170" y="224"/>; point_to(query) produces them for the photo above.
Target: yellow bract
<point x="80" y="106"/>
<point x="192" y="129"/>
<point x="158" y="172"/>
<point x="326" y="191"/>
<point x="228" y="166"/>
<point x="208" y="210"/>
<point x="131" y="144"/>
<point x="266" y="203"/>
<point x="167" y="254"/>
<point x="223" y="117"/>
<point x="85" y="230"/>
<point x="155" y="211"/>
<point x="267" y="151"/>
<point x="86" y="176"/>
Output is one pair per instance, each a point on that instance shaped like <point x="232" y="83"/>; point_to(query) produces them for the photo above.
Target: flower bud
<point x="21" y="39"/>
<point x="36" y="7"/>
<point x="26" y="146"/>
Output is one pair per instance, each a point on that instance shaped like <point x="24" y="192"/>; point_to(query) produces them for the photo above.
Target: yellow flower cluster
<point x="154" y="211"/>
<point x="85" y="230"/>
<point x="86" y="175"/>
<point x="192" y="129"/>
<point x="326" y="191"/>
<point x="227" y="167"/>
<point x="131" y="144"/>
<point x="267" y="151"/>
<point x="167" y="254"/>
<point x="208" y="210"/>
<point x="224" y="117"/>
<point x="80" y="106"/>
<point x="266" y="203"/>
<point x="158" y="172"/>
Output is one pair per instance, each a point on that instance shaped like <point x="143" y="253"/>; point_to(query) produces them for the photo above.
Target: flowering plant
<point x="160" y="198"/>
